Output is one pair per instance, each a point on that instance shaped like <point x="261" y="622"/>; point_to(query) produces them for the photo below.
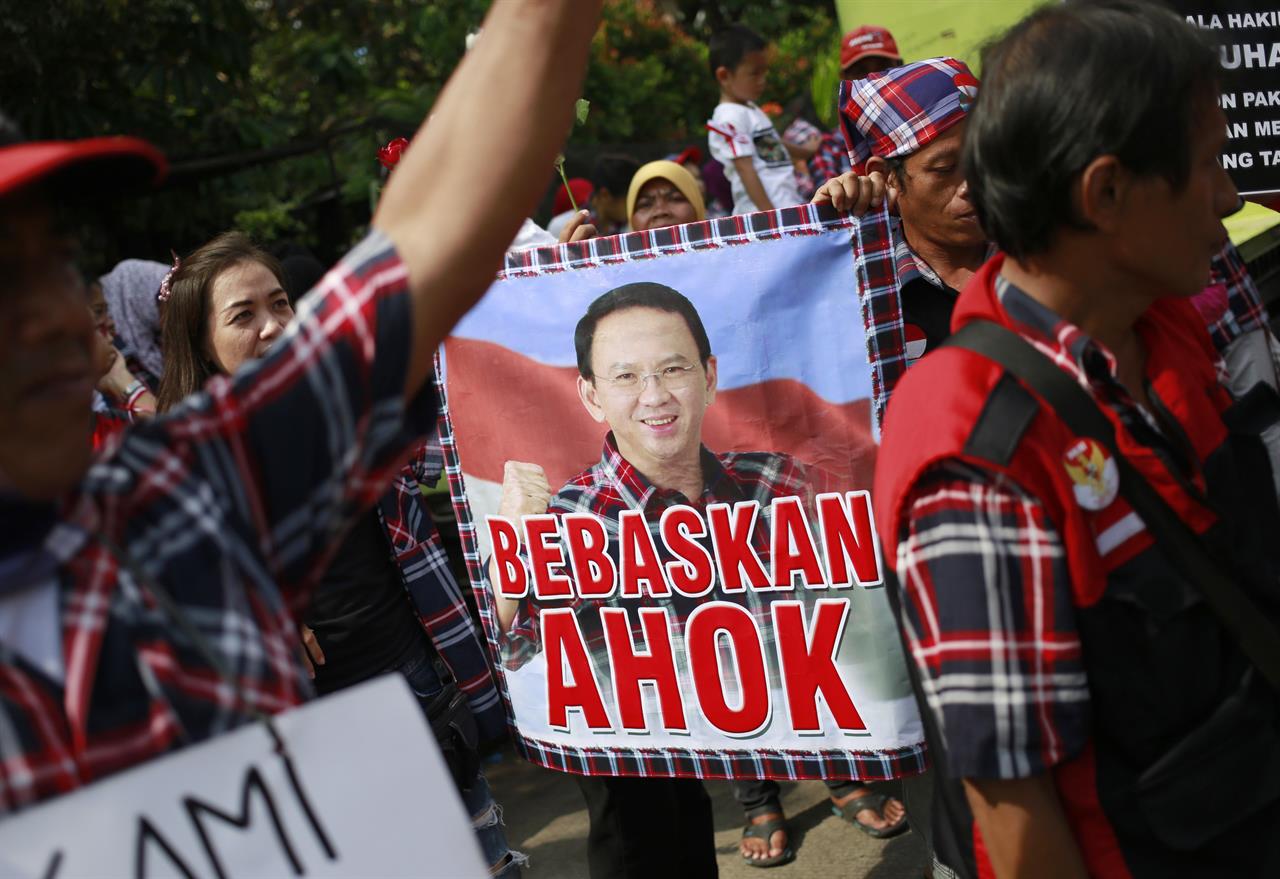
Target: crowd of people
<point x="1078" y="476"/>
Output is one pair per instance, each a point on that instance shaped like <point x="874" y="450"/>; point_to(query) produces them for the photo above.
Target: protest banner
<point x="640" y="630"/>
<point x="360" y="790"/>
<point x="1248" y="39"/>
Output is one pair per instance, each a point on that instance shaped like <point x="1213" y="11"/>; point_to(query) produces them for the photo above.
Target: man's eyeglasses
<point x="671" y="377"/>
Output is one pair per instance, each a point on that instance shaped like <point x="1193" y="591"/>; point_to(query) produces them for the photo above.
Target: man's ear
<point x="712" y="379"/>
<point x="1100" y="192"/>
<point x="590" y="399"/>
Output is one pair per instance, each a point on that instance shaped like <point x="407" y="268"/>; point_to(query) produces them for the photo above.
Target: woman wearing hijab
<point x="130" y="290"/>
<point x="662" y="194"/>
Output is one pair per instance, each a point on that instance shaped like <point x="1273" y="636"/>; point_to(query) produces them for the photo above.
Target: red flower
<point x="773" y="108"/>
<point x="390" y="154"/>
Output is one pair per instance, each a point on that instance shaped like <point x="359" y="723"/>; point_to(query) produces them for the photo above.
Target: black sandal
<point x="763" y="831"/>
<point x="875" y="803"/>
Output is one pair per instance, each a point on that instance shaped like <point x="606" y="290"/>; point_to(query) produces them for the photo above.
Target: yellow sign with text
<point x="930" y="28"/>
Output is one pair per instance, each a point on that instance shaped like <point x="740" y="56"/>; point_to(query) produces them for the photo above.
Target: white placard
<point x="364" y="793"/>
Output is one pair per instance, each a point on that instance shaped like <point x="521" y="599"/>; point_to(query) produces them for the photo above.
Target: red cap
<point x="868" y="41"/>
<point x="581" y="189"/>
<point x="93" y="165"/>
<point x="687" y="155"/>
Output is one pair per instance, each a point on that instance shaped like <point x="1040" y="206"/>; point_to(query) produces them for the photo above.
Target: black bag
<point x="1170" y="798"/>
<point x="455" y="729"/>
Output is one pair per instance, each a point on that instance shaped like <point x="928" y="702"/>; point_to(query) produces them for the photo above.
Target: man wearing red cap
<point x="863" y="51"/>
<point x="129" y="588"/>
<point x="867" y="50"/>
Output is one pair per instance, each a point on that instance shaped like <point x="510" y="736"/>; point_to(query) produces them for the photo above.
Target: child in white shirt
<point x="757" y="162"/>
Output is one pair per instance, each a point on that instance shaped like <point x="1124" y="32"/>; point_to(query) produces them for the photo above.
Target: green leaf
<point x="581" y="108"/>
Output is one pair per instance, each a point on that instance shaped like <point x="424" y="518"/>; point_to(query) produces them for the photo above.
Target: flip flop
<point x="763" y="831"/>
<point x="876" y="803"/>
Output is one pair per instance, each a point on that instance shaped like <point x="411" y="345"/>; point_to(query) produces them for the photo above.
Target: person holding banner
<point x="905" y="129"/>
<point x="145" y="602"/>
<point x="1088" y="588"/>
<point x="662" y="194"/>
<point x="646" y="369"/>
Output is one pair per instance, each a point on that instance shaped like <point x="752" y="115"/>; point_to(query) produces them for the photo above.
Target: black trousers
<point x="760" y="796"/>
<point x="649" y="828"/>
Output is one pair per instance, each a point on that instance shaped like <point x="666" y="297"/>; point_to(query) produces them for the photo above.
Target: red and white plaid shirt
<point x="1005" y="677"/>
<point x="613" y="485"/>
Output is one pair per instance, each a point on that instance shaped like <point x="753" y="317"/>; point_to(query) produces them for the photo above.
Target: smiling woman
<point x="248" y="310"/>
<point x="226" y="305"/>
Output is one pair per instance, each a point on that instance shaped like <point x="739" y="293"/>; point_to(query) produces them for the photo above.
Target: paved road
<point x="546" y="820"/>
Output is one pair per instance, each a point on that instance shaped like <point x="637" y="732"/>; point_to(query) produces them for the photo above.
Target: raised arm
<point x="500" y="120"/>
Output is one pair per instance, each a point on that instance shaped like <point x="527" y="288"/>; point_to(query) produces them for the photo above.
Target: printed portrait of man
<point x="646" y="370"/>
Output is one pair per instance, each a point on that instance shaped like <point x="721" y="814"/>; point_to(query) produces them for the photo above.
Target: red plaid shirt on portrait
<point x="606" y="489"/>
<point x="233" y="503"/>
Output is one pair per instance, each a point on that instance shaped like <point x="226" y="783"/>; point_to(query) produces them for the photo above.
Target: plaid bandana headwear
<point x="898" y="111"/>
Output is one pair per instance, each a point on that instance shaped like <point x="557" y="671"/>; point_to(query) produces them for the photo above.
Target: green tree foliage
<point x="85" y="67"/>
<point x="647" y="80"/>
<point x="272" y="111"/>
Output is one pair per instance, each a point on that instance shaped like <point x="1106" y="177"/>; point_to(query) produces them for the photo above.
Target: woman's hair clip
<point x="166" y="286"/>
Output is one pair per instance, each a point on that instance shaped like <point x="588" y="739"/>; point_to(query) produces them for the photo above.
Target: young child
<point x="742" y="138"/>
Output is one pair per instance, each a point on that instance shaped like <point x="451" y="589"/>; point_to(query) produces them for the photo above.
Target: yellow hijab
<point x="676" y="175"/>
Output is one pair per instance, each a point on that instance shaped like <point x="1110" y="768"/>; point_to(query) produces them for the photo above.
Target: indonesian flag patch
<point x="967" y="85"/>
<point x="916" y="343"/>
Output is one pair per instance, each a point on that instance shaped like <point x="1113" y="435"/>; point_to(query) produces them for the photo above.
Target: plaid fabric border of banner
<point x="881" y="302"/>
<point x="719" y="764"/>
<point x="706" y="235"/>
<point x="873" y="268"/>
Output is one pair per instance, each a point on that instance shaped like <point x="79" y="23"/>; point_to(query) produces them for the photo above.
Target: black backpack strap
<point x="1257" y="636"/>
<point x="1005" y="417"/>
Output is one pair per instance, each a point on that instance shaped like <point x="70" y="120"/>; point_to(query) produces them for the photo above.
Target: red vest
<point x="1158" y="663"/>
<point x="942" y="397"/>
